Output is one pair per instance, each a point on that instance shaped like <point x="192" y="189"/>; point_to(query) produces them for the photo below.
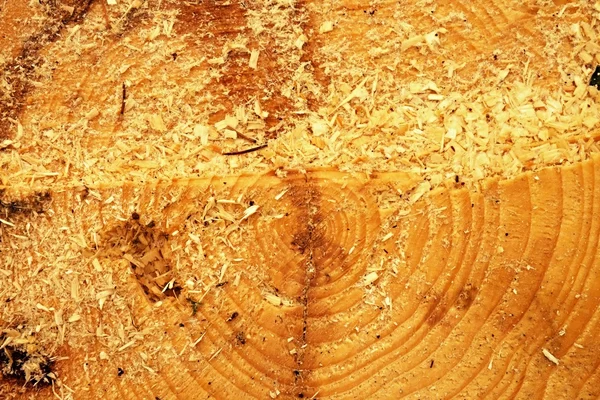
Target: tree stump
<point x="283" y="199"/>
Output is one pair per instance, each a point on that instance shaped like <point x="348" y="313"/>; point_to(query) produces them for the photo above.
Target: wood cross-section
<point x="316" y="284"/>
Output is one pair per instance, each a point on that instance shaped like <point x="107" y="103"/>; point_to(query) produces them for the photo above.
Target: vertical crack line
<point x="310" y="272"/>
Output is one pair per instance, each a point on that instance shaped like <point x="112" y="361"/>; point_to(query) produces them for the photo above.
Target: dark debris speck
<point x="595" y="79"/>
<point x="233" y="316"/>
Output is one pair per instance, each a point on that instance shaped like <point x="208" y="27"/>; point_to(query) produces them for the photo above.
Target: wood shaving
<point x="549" y="356"/>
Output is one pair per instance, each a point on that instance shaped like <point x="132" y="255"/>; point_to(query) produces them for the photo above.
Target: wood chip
<point x="253" y="62"/>
<point x="273" y="299"/>
<point x="549" y="356"/>
<point x="325" y="27"/>
<point x="370" y="278"/>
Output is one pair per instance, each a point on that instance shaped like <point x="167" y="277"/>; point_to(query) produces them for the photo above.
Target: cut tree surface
<point x="318" y="285"/>
<point x="280" y="199"/>
<point x="162" y="88"/>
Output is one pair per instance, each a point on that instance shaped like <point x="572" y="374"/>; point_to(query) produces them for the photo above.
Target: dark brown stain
<point x="148" y="246"/>
<point x="23" y="367"/>
<point x="308" y="234"/>
<point x="309" y="238"/>
<point x="310" y="26"/>
<point x="133" y="18"/>
<point x="240" y="338"/>
<point x="466" y="297"/>
<point x="22" y="70"/>
<point x="11" y="207"/>
<point x="438" y="307"/>
<point x="224" y="17"/>
<point x="213" y="23"/>
<point x="505" y="321"/>
<point x="302" y="240"/>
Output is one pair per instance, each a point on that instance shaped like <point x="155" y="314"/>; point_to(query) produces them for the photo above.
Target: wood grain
<point x="145" y="255"/>
<point x="469" y="288"/>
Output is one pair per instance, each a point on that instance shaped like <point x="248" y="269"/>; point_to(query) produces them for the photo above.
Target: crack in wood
<point x="306" y="240"/>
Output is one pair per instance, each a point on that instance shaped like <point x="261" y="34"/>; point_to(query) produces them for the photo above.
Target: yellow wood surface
<point x="469" y="288"/>
<point x="138" y="261"/>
